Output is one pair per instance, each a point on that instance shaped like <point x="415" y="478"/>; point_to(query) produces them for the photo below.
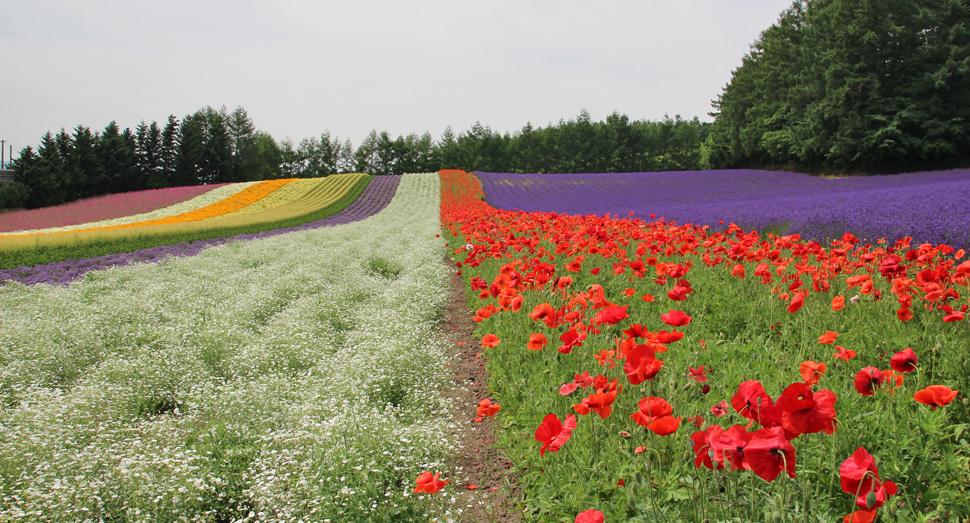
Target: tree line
<point x="218" y="146"/>
<point x="879" y="86"/>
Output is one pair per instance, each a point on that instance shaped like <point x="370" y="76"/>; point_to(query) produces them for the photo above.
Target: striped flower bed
<point x="374" y="199"/>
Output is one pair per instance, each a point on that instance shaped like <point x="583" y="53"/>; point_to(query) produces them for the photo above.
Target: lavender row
<point x="929" y="206"/>
<point x="373" y="200"/>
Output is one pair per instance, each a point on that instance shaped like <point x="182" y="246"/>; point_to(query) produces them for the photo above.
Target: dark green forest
<point x="218" y="146"/>
<point x="859" y="87"/>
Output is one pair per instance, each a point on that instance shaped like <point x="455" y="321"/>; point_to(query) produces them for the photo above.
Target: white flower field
<point x="291" y="378"/>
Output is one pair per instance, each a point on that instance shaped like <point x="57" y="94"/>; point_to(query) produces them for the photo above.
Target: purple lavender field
<point x="931" y="207"/>
<point x="373" y="200"/>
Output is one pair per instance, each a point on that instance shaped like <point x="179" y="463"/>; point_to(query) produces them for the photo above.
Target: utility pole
<point x="3" y="144"/>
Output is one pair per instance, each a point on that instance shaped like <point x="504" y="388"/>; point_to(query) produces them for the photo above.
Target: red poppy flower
<point x="904" y="360"/>
<point x="600" y="403"/>
<point x="954" y="316"/>
<point x="595" y="271"/>
<point x="701" y="443"/>
<point x="664" y="426"/>
<point x="429" y="484"/>
<point x="796" y="302"/>
<point x="843" y="354"/>
<point x="738" y="270"/>
<point x="860" y="516"/>
<point x="731" y="444"/>
<point x="553" y="434"/>
<point x="752" y="402"/>
<point x="838" y="303"/>
<point x="590" y="516"/>
<point x="612" y="315"/>
<point x="699" y="375"/>
<point x="490" y="340"/>
<point x="647" y="297"/>
<point x="629" y="292"/>
<point x="570" y="339"/>
<point x="859" y="476"/>
<point x="719" y="409"/>
<point x="667" y="337"/>
<point x="828" y="338"/>
<point x="655" y="415"/>
<point x="935" y="395"/>
<point x="811" y="372"/>
<point x="488" y="409"/>
<point x="768" y="453"/>
<point x="868" y="380"/>
<point x="904" y="314"/>
<point x="675" y="318"/>
<point x="805" y="412"/>
<point x="651" y="408"/>
<point x="641" y="365"/>
<point x="537" y="341"/>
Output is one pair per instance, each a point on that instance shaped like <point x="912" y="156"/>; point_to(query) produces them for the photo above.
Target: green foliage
<point x="878" y="86"/>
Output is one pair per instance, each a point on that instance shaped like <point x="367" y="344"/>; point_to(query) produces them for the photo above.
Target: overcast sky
<point x="302" y="67"/>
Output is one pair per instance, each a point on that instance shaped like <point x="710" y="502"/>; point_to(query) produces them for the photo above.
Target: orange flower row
<point x="243" y="198"/>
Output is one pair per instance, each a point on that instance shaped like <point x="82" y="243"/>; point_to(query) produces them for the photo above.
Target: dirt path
<point x="478" y="463"/>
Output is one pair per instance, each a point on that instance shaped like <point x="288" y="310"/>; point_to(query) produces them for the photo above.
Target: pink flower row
<point x="100" y="208"/>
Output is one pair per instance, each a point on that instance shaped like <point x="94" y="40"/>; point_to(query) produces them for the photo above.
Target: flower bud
<point x="870" y="499"/>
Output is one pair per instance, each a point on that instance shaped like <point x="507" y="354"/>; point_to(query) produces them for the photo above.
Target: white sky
<point x="300" y="67"/>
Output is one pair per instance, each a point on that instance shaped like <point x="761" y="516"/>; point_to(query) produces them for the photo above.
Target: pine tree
<point x="169" y="152"/>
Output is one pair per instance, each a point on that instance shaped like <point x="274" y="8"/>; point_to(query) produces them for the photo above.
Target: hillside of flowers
<point x="231" y="210"/>
<point x="928" y="206"/>
<point x="100" y="208"/>
<point x="373" y="200"/>
<point x="649" y="370"/>
<point x="291" y="378"/>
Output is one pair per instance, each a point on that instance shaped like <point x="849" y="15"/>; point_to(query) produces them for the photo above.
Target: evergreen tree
<point x="834" y="86"/>
<point x="148" y="152"/>
<point x="216" y="160"/>
<point x="189" y="159"/>
<point x="449" y="154"/>
<point x="365" y="158"/>
<point x="169" y="152"/>
<point x="84" y="162"/>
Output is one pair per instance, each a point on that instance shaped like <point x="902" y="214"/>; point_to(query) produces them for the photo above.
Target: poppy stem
<point x="751" y="501"/>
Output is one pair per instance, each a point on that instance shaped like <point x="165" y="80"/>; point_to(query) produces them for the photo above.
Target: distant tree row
<point x="211" y="146"/>
<point x="208" y="146"/>
<point x="867" y="87"/>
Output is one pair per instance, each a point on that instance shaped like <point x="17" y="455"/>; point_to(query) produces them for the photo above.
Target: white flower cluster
<point x="203" y="200"/>
<point x="294" y="378"/>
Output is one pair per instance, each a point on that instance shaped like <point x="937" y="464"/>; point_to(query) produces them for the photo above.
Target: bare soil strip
<point x="478" y="463"/>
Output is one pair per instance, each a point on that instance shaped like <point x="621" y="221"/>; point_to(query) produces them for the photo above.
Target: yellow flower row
<point x="286" y="194"/>
<point x="241" y="199"/>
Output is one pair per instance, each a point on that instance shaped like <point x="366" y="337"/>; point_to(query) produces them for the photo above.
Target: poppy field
<point x="652" y="371"/>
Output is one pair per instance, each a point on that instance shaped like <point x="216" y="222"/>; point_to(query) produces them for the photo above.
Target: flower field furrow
<point x="100" y="208"/>
<point x="241" y="384"/>
<point x="374" y="199"/>
<point x="929" y="206"/>
<point x="205" y="199"/>
<point x="651" y="371"/>
<point x="332" y="195"/>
